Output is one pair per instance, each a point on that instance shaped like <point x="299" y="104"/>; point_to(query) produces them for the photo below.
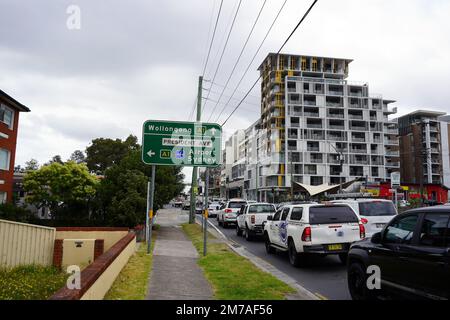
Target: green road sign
<point x="181" y="143"/>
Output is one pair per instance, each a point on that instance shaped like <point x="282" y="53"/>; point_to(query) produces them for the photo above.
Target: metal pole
<point x="195" y="169"/>
<point x="147" y="222"/>
<point x="205" y="218"/>
<point x="150" y="212"/>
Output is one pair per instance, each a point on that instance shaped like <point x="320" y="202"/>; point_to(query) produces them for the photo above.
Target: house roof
<point x="13" y="102"/>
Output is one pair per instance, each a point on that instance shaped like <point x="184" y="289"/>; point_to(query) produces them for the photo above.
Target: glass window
<point x="277" y="215"/>
<point x="261" y="208"/>
<point x="297" y="214"/>
<point x="6" y="115"/>
<point x="332" y="214"/>
<point x="402" y="230"/>
<point x="4" y="159"/>
<point x="285" y="214"/>
<point x="236" y="205"/>
<point x="2" y="197"/>
<point x="435" y="229"/>
<point x="377" y="208"/>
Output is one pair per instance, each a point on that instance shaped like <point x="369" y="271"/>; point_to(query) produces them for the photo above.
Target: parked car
<point x="374" y="213"/>
<point x="213" y="209"/>
<point x="251" y="219"/>
<point x="228" y="212"/>
<point x="413" y="254"/>
<point x="319" y="229"/>
<point x="186" y="204"/>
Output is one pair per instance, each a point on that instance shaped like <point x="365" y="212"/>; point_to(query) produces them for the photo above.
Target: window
<point x="285" y="214"/>
<point x="377" y="208"/>
<point x="277" y="215"/>
<point x="402" y="230"/>
<point x="435" y="229"/>
<point x="4" y="159"/>
<point x="297" y="214"/>
<point x="332" y="214"/>
<point x="242" y="211"/>
<point x="6" y="115"/>
<point x="262" y="208"/>
<point x="3" y="197"/>
<point x="236" y="205"/>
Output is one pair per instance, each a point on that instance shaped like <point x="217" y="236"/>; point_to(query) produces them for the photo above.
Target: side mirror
<point x="376" y="238"/>
<point x="269" y="218"/>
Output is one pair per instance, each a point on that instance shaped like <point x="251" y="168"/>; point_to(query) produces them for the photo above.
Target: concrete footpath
<point x="175" y="273"/>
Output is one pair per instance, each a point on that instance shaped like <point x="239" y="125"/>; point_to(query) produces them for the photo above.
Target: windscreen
<point x="261" y="208"/>
<point x="331" y="214"/>
<point x="236" y="205"/>
<point x="377" y="208"/>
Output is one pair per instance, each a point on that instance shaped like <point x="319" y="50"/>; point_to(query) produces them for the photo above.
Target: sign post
<point x="206" y="213"/>
<point x="174" y="143"/>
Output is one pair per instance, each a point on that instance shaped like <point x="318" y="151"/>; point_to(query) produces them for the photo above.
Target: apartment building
<point x="319" y="128"/>
<point x="233" y="167"/>
<point x="424" y="151"/>
<point x="9" y="123"/>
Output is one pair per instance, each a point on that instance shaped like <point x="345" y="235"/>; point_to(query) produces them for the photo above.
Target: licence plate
<point x="380" y="225"/>
<point x="335" y="247"/>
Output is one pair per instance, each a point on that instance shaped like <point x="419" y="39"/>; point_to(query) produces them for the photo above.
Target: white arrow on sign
<point x="151" y="153"/>
<point x="213" y="131"/>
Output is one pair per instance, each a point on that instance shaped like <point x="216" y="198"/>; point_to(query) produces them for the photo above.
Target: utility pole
<point x="150" y="213"/>
<point x="195" y="169"/>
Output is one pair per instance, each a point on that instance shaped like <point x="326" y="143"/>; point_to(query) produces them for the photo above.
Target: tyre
<point x="295" y="258"/>
<point x="248" y="235"/>
<point x="225" y="224"/>
<point x="219" y="222"/>
<point x="343" y="257"/>
<point x="238" y="230"/>
<point x="268" y="244"/>
<point x="357" y="282"/>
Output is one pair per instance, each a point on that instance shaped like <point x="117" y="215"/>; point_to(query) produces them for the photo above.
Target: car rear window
<point x="377" y="208"/>
<point x="331" y="214"/>
<point x="236" y="205"/>
<point x="261" y="208"/>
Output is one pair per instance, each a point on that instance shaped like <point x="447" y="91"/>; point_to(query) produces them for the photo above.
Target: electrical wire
<point x="239" y="57"/>
<point x="212" y="39"/>
<point x="281" y="48"/>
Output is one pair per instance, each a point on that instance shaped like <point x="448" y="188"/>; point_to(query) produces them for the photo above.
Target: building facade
<point x="9" y="124"/>
<point x="320" y="128"/>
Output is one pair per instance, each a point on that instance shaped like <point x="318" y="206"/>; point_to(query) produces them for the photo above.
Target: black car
<point x="412" y="253"/>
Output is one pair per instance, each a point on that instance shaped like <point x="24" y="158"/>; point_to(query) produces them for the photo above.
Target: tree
<point x="31" y="165"/>
<point x="55" y="159"/>
<point x="122" y="194"/>
<point x="104" y="153"/>
<point x="60" y="186"/>
<point x="78" y="157"/>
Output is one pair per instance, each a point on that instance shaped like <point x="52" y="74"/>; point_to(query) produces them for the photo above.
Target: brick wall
<point x="98" y="248"/>
<point x="58" y="253"/>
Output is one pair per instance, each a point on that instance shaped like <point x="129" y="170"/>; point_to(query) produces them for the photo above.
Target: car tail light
<point x="252" y="219"/>
<point x="228" y="211"/>
<point x="362" y="231"/>
<point x="306" y="236"/>
<point x="364" y="221"/>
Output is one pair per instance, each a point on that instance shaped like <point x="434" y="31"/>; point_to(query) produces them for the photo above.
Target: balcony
<point x="358" y="128"/>
<point x="359" y="151"/>
<point x="391" y="142"/>
<point x="356" y="117"/>
<point x="358" y="139"/>
<point x="311" y="114"/>
<point x="336" y="115"/>
<point x="392" y="154"/>
<point x="334" y="104"/>
<point x="309" y="103"/>
<point x="390" y="164"/>
<point x="390" y="130"/>
<point x="314" y="126"/>
<point x="336" y="127"/>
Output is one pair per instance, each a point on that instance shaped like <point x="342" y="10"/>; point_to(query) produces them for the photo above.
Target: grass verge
<point x="132" y="282"/>
<point x="232" y="276"/>
<point x="30" y="282"/>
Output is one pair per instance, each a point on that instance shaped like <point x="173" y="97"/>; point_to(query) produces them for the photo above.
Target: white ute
<point x="251" y="219"/>
<point x="321" y="229"/>
<point x="228" y="213"/>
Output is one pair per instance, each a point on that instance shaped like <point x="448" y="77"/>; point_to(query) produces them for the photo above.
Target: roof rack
<point x="357" y="195"/>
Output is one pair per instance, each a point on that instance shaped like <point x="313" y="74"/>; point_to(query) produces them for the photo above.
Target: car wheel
<point x="343" y="257"/>
<point x="248" y="235"/>
<point x="268" y="244"/>
<point x="294" y="257"/>
<point x="225" y="224"/>
<point x="357" y="282"/>
<point x="219" y="222"/>
<point x="238" y="230"/>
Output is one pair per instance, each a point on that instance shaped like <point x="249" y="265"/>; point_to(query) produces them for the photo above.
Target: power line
<point x="239" y="57"/>
<point x="253" y="59"/>
<point x="222" y="86"/>
<point x="193" y="109"/>
<point x="212" y="39"/>
<point x="281" y="48"/>
<point x="224" y="47"/>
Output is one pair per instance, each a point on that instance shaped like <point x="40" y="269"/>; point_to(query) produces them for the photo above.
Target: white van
<point x="374" y="213"/>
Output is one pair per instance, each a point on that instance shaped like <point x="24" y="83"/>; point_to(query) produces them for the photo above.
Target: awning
<point x="318" y="190"/>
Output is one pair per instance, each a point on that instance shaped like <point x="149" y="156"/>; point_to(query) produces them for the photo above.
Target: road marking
<point x="321" y="296"/>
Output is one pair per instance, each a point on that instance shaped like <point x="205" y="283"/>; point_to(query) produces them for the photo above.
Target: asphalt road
<point x="325" y="277"/>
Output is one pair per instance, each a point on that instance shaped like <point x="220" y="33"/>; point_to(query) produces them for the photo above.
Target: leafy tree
<point x="104" y="153"/>
<point x="11" y="212"/>
<point x="78" y="157"/>
<point x="55" y="159"/>
<point x="31" y="165"/>
<point x="58" y="186"/>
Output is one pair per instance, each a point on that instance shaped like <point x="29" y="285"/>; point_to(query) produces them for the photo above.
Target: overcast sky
<point x="140" y="59"/>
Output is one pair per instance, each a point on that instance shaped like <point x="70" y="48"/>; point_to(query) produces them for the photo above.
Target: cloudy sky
<point x="140" y="59"/>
